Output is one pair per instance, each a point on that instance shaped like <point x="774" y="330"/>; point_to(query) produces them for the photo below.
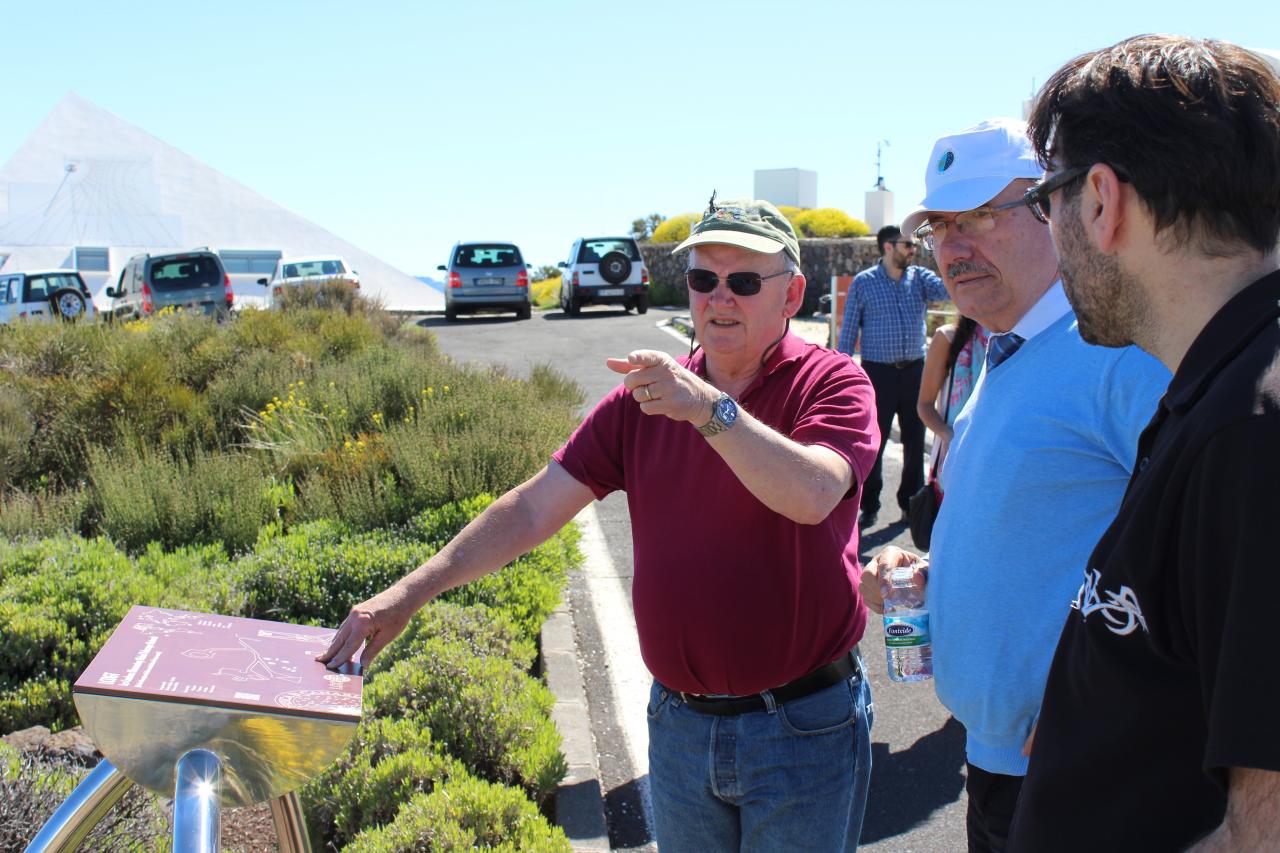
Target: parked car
<point x="291" y="272"/>
<point x="188" y="281"/>
<point x="45" y="295"/>
<point x="486" y="277"/>
<point x="604" y="271"/>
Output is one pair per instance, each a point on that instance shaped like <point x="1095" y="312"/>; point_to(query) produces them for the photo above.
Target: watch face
<point x="726" y="411"/>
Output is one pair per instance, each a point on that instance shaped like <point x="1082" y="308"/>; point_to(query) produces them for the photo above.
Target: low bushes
<point x="286" y="465"/>
<point x="484" y="711"/>
<point x="313" y="574"/>
<point x="60" y="600"/>
<point x="181" y="431"/>
<point x="468" y="814"/>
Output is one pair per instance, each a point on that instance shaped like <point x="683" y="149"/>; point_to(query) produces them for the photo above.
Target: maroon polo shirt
<point x="729" y="596"/>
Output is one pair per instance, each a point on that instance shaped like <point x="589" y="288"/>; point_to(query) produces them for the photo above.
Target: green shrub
<point x="313" y="574"/>
<point x="485" y="711"/>
<point x="675" y="229"/>
<point x="828" y="222"/>
<point x="59" y="601"/>
<point x="482" y="630"/>
<point x="387" y="762"/>
<point x="16" y="429"/>
<point x="146" y="496"/>
<point x="667" y="293"/>
<point x="465" y="814"/>
<point x="48" y="512"/>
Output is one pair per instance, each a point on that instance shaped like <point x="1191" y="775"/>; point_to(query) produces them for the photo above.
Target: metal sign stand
<point x="212" y="710"/>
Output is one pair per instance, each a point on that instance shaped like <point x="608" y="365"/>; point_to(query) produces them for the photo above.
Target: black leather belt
<point x="896" y="365"/>
<point x="843" y="667"/>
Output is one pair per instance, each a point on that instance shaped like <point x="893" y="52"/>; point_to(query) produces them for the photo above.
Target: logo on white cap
<point x="945" y="161"/>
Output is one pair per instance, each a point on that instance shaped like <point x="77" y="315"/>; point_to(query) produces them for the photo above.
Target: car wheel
<point x="575" y="307"/>
<point x="615" y="267"/>
<point x="450" y="314"/>
<point x="68" y="303"/>
<point x="642" y="303"/>
<point x="524" y="312"/>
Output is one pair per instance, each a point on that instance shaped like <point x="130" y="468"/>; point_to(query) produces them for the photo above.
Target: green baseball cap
<point x="753" y="224"/>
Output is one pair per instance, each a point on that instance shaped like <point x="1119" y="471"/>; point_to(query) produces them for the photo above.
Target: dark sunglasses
<point x="741" y="283"/>
<point x="909" y="244"/>
<point x="1037" y="198"/>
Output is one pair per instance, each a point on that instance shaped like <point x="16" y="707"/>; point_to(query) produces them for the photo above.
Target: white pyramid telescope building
<point x="88" y="190"/>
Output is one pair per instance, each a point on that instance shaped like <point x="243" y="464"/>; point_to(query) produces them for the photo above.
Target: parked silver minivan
<point x="187" y="281"/>
<point x="486" y="277"/>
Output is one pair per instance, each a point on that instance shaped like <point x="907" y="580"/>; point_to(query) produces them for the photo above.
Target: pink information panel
<point x="222" y="661"/>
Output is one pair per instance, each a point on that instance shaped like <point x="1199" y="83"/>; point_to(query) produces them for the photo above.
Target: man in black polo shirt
<point x="1160" y="727"/>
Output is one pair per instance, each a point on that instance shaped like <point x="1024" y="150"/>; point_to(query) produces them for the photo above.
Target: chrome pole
<point x="80" y="812"/>
<point x="291" y="826"/>
<point x="196" y="806"/>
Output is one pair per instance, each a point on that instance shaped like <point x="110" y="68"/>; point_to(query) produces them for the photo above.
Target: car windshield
<point x="593" y="250"/>
<point x="40" y="287"/>
<point x="495" y="255"/>
<point x="301" y="269"/>
<point x="184" y="273"/>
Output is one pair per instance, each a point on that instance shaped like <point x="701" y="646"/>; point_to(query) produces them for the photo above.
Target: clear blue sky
<point x="403" y="127"/>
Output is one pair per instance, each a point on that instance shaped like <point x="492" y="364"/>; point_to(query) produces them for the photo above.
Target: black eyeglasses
<point x="1037" y="198"/>
<point x="907" y="244"/>
<point x="741" y="283"/>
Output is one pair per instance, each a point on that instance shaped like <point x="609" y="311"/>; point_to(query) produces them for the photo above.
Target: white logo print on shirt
<point x="1120" y="611"/>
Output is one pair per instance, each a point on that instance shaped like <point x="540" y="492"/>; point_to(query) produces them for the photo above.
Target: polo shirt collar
<point x="789" y="349"/>
<point x="1223" y="338"/>
<point x="1049" y="309"/>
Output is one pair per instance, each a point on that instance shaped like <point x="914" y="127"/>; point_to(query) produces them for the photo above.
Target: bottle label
<point x="906" y="630"/>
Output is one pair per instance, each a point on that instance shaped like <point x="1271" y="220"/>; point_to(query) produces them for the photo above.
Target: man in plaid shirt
<point x="885" y="307"/>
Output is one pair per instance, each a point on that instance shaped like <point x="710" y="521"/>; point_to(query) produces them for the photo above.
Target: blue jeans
<point x="791" y="778"/>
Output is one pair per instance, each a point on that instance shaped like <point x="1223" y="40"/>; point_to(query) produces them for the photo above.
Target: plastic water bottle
<point x="906" y="625"/>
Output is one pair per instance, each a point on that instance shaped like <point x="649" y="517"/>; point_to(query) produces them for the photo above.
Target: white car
<point x="604" y="271"/>
<point x="44" y="295"/>
<point x="291" y="272"/>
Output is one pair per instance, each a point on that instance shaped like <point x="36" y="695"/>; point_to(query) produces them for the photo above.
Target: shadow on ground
<point x="907" y="787"/>
<point x="627" y="825"/>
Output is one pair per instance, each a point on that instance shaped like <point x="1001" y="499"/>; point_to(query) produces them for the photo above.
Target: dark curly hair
<point x="1192" y="124"/>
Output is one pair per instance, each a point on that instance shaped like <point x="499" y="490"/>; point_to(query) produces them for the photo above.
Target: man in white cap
<point x="742" y="464"/>
<point x="1038" y="465"/>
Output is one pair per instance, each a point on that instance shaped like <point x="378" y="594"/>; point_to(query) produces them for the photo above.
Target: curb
<point x="580" y="796"/>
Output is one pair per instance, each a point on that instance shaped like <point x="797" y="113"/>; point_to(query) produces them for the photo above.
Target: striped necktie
<point x="1000" y="347"/>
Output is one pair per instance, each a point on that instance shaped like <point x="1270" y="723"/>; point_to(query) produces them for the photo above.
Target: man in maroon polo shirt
<point x="742" y="465"/>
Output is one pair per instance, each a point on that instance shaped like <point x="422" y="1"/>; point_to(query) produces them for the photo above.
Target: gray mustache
<point x="963" y="267"/>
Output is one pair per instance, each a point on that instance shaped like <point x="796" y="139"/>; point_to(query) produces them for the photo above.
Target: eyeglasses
<point x="1037" y="198"/>
<point x="741" y="283"/>
<point x="970" y="223"/>
<point x="906" y="244"/>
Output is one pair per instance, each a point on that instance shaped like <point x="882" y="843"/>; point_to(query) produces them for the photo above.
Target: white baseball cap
<point x="969" y="168"/>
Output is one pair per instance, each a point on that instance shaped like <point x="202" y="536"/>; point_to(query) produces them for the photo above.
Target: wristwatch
<point x="724" y="414"/>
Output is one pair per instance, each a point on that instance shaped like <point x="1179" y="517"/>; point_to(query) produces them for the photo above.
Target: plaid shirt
<point x="889" y="314"/>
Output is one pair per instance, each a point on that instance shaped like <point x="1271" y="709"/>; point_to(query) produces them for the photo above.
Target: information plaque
<point x="249" y="690"/>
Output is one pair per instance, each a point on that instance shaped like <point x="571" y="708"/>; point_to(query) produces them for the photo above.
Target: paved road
<point x="917" y="793"/>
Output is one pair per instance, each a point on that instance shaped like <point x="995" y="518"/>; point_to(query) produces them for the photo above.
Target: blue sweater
<point x="1040" y="460"/>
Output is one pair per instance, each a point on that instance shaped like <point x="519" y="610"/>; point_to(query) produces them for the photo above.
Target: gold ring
<point x="648" y="395"/>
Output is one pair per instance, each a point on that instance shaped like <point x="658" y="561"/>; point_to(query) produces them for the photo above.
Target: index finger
<point x="648" y="357"/>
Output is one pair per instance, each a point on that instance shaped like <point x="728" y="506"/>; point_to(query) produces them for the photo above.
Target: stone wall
<point x="820" y="259"/>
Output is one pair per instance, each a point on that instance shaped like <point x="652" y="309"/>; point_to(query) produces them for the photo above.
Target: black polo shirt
<point x="1166" y="672"/>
